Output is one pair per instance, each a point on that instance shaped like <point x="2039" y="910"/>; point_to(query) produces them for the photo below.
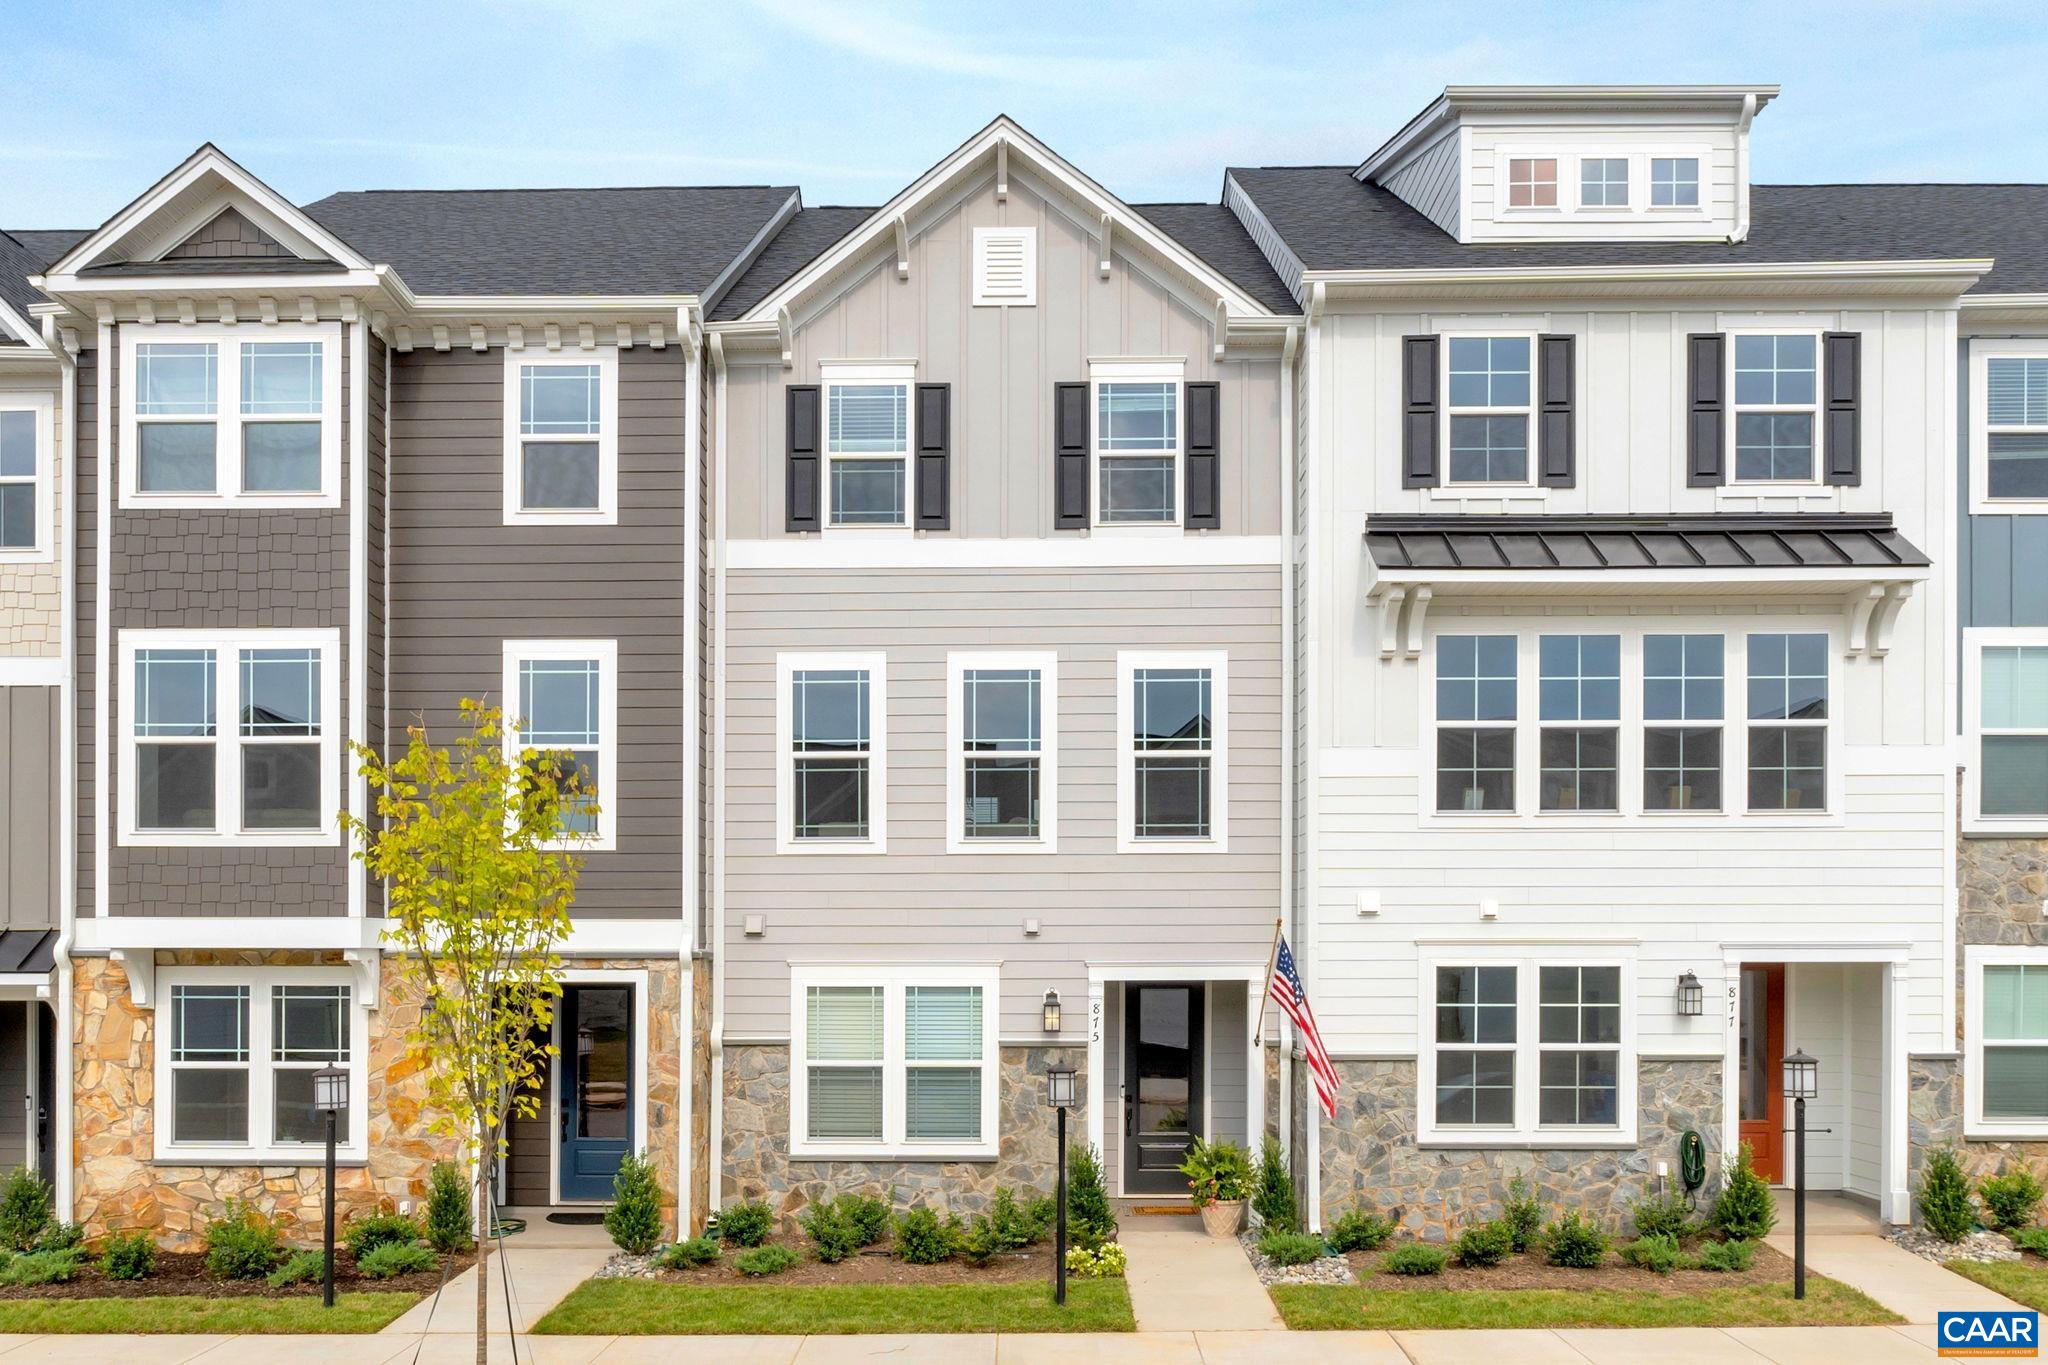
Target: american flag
<point x="1288" y="992"/>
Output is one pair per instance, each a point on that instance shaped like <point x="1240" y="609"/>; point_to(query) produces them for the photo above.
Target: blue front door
<point x="596" y="1087"/>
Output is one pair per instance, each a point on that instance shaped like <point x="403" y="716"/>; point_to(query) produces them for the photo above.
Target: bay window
<point x="561" y="452"/>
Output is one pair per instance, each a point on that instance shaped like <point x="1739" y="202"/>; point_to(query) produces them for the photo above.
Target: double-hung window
<point x="1683" y="706"/>
<point x="2005" y="674"/>
<point x="235" y="1071"/>
<point x="1488" y="412"/>
<point x="1578" y="1046"/>
<point x="1788" y="715"/>
<point x="1674" y="182"/>
<point x="25" y="512"/>
<point x="1172" y="763"/>
<point x="245" y="415"/>
<point x="2009" y="426"/>
<point x="1579" y="703"/>
<point x="564" y="700"/>
<point x="562" y="436"/>
<point x="1476" y="1025"/>
<point x="832" y="775"/>
<point x="867" y="444"/>
<point x="1137" y="436"/>
<point x="1002" y="778"/>
<point x="1777" y="392"/>
<point x="2005" y="1035"/>
<point x="229" y="737"/>
<point x="894" y="1060"/>
<point x="1476" y="705"/>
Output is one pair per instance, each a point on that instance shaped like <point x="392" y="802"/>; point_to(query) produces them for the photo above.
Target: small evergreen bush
<point x="2011" y="1198"/>
<point x="1657" y="1251"/>
<point x="397" y="1258"/>
<point x="922" y="1239"/>
<point x="831" y="1230"/>
<point x="44" y="1267"/>
<point x="1484" y="1245"/>
<point x="868" y="1215"/>
<point x="1273" y="1193"/>
<point x="2034" y="1240"/>
<point x="365" y="1234"/>
<point x="1522" y="1215"/>
<point x="24" y="1210"/>
<point x="1572" y="1241"/>
<point x="634" y="1219"/>
<point x="1090" y="1219"/>
<point x="1662" y="1215"/>
<point x="1745" y="1210"/>
<point x="765" y="1260"/>
<point x="61" y="1237"/>
<point x="300" y="1267"/>
<point x="1945" y="1197"/>
<point x="1011" y="1223"/>
<point x="241" y="1244"/>
<point x="448" y="1221"/>
<point x="745" y="1224"/>
<point x="128" y="1256"/>
<point x="1359" y="1230"/>
<point x="1282" y="1247"/>
<point x="1415" y="1258"/>
<point x="1040" y="1215"/>
<point x="687" y="1255"/>
<point x="1727" y="1257"/>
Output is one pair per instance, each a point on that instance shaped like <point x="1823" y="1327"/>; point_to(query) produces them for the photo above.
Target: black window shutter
<point x="934" y="457"/>
<point x="1842" y="380"/>
<point x="1418" y="419"/>
<point x="1556" y="434"/>
<point x="802" y="472"/>
<point x="1070" y="456"/>
<point x="1706" y="419"/>
<point x="1204" y="460"/>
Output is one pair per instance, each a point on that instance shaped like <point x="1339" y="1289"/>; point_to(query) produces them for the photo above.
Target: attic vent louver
<point x="1005" y="267"/>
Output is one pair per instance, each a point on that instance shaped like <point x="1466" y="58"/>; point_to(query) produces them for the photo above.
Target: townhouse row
<point x="1593" y="604"/>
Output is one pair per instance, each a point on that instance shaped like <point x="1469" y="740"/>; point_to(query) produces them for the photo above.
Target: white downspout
<point x="693" y="449"/>
<point x="67" y="777"/>
<point x="1741" y="231"/>
<point x="1312" y="738"/>
<point x="1289" y="350"/>
<point x="715" y="1145"/>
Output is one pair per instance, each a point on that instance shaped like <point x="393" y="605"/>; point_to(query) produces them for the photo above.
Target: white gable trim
<point x="23" y="330"/>
<point x="947" y="177"/>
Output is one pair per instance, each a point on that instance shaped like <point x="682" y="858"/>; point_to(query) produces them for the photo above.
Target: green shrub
<point x="765" y="1260"/>
<point x="869" y="1216"/>
<point x="831" y="1229"/>
<point x="128" y="1256"/>
<point x="300" y="1267"/>
<point x="922" y="1239"/>
<point x="1359" y="1230"/>
<point x="1105" y="1262"/>
<point x="1658" y="1251"/>
<point x="1662" y="1215"/>
<point x="1090" y="1219"/>
<point x="449" y="1227"/>
<point x="1415" y="1258"/>
<point x="44" y="1267"/>
<point x="1727" y="1256"/>
<point x="61" y="1237"/>
<point x="1745" y="1209"/>
<point x="1282" y="1247"/>
<point x="1521" y="1213"/>
<point x="1572" y="1241"/>
<point x="634" y="1219"/>
<point x="241" y="1244"/>
<point x="1217" y="1172"/>
<point x="1273" y="1192"/>
<point x="2032" y="1239"/>
<point x="746" y="1224"/>
<point x="24" y="1210"/>
<point x="697" y="1251"/>
<point x="1040" y="1215"/>
<point x="1945" y="1197"/>
<point x="1014" y="1225"/>
<point x="397" y="1258"/>
<point x="365" y="1234"/>
<point x="1487" y="1244"/>
<point x="2011" y="1199"/>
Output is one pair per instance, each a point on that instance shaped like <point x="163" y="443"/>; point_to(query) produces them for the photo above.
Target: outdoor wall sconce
<point x="1049" y="1016"/>
<point x="1692" y="1000"/>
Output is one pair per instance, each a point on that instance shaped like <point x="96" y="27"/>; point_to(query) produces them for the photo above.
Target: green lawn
<point x="2021" y="1281"/>
<point x="648" y="1307"/>
<point x="191" y="1313"/>
<point x="1316" y="1307"/>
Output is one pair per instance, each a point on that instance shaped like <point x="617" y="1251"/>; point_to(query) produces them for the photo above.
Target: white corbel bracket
<point x="1402" y="607"/>
<point x="902" y="247"/>
<point x="369" y="965"/>
<point x="785" y="334"/>
<point x="1222" y="327"/>
<point x="1105" y="243"/>
<point x="1869" y="617"/>
<point x="139" y="966"/>
<point x="1002" y="168"/>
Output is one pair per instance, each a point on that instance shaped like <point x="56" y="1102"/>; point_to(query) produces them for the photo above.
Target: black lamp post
<point x="1802" y="1083"/>
<point x="330" y="1096"/>
<point x="1059" y="1093"/>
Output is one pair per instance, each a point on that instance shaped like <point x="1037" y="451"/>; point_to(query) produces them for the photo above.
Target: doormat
<point x="1162" y="1210"/>
<point x="577" y="1220"/>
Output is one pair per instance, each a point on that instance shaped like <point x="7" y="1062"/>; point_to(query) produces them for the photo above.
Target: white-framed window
<point x="1776" y="388"/>
<point x="26" y="451"/>
<point x="2005" y="717"/>
<point x="890" y="1060"/>
<point x="1788" y="720"/>
<point x="2009" y="426"/>
<point x="1579" y="722"/>
<point x="1136" y="431"/>
<point x="1477" y="702"/>
<point x="229" y="737"/>
<point x="236" y="1051"/>
<point x="561" y="461"/>
<point x="1005" y="267"/>
<point x="1527" y="1048"/>
<point x="242" y="416"/>
<point x="832" y="757"/>
<point x="1684" y="711"/>
<point x="869" y="427"/>
<point x="564" y="697"/>
<point x="1002" y="745"/>
<point x="1532" y="182"/>
<point x="1603" y="182"/>
<point x="1488" y="387"/>
<point x="2005" y="1041"/>
<point x="1674" y="182"/>
<point x="1173" y="751"/>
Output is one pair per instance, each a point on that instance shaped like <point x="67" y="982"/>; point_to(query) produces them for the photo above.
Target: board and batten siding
<point x="463" y="582"/>
<point x="1097" y="907"/>
<point x="1432" y="181"/>
<point x="2001" y="560"/>
<point x="31" y="746"/>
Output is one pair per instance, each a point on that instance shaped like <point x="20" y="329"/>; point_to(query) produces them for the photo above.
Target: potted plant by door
<point x="1219" y="1181"/>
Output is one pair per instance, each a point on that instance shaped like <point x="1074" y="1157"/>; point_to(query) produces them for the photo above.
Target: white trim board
<point x="1193" y="549"/>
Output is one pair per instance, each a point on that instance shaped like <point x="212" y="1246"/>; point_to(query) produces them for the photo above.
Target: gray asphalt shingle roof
<point x="808" y="234"/>
<point x="1333" y="222"/>
<point x="1213" y="233"/>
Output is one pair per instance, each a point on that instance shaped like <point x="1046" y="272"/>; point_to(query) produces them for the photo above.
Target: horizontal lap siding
<point x="918" y="902"/>
<point x="463" y="583"/>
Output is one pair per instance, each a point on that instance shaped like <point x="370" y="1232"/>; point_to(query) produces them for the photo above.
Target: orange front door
<point x="1762" y="1050"/>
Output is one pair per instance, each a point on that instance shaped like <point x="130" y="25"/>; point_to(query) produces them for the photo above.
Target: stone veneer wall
<point x="664" y="1099"/>
<point x="2002" y="884"/>
<point x="757" y="1163"/>
<point x="703" y="1177"/>
<point x="1370" y="1157"/>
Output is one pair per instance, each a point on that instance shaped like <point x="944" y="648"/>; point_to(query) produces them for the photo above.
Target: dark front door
<point x="596" y="1087"/>
<point x="1162" y="1086"/>
<point x="45" y="1034"/>
<point x="1762" y="1047"/>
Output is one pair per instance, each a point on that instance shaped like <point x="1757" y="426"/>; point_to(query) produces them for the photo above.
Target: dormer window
<point x="1603" y="182"/>
<point x="1674" y="182"/>
<point x="1532" y="182"/>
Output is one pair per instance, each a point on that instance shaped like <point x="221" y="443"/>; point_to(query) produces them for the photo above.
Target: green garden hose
<point x="1692" y="1160"/>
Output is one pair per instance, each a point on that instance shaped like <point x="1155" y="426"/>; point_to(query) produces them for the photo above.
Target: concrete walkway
<point x="542" y="1277"/>
<point x="1183" y="1280"/>
<point x="1912" y="1286"/>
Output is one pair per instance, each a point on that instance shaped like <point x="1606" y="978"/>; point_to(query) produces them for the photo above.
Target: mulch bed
<point x="878" y="1264"/>
<point x="185" y="1273"/>
<point x="1530" y="1271"/>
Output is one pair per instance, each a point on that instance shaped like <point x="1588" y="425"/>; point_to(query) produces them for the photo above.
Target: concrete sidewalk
<point x="542" y="1277"/>
<point x="1912" y="1286"/>
<point x="1183" y="1280"/>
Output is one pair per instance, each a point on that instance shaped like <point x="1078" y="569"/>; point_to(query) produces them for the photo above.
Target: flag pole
<point x="1272" y="956"/>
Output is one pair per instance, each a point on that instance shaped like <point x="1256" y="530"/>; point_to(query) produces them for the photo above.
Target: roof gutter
<point x="1929" y="276"/>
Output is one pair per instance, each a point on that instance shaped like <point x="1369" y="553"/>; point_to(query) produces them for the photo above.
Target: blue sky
<point x="852" y="100"/>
